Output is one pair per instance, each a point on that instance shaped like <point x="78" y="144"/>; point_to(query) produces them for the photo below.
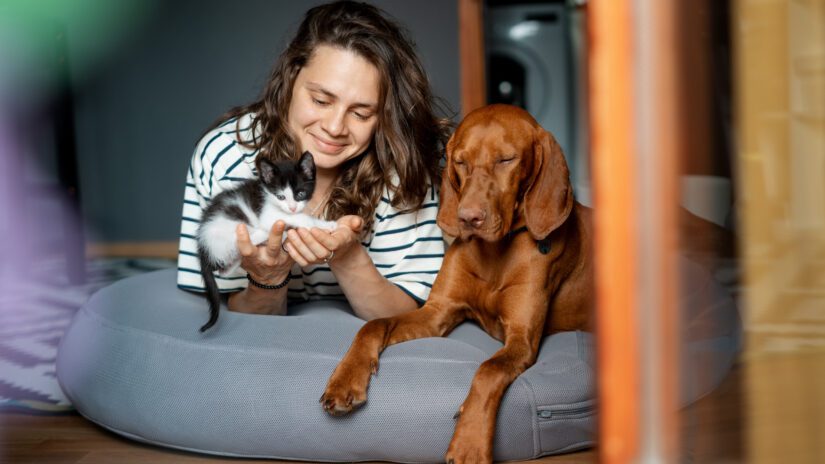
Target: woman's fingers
<point x="263" y="261"/>
<point x="315" y="246"/>
<point x="276" y="234"/>
<point x="245" y="245"/>
<point x="304" y="248"/>
<point x="354" y="223"/>
<point x="318" y="248"/>
<point x="329" y="241"/>
<point x="298" y="250"/>
<point x="344" y="237"/>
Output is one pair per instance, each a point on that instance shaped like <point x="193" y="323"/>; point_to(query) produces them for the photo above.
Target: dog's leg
<point x="473" y="438"/>
<point x="347" y="387"/>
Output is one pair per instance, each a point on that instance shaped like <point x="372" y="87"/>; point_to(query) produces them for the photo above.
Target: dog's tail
<point x="212" y="293"/>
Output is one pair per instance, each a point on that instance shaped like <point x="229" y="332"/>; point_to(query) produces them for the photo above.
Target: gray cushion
<point x="134" y="362"/>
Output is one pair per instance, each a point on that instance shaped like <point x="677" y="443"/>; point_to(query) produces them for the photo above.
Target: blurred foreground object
<point x="780" y="106"/>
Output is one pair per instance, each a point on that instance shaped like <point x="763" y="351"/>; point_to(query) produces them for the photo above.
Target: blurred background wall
<point x="148" y="77"/>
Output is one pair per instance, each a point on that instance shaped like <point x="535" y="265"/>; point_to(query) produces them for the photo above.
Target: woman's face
<point x="333" y="112"/>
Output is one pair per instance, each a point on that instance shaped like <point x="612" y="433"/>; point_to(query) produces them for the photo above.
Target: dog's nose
<point x="472" y="216"/>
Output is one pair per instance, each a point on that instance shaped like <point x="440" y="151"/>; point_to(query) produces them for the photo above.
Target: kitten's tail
<point x="212" y="293"/>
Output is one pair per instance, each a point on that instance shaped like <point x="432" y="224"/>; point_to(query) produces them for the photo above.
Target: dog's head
<point x="502" y="166"/>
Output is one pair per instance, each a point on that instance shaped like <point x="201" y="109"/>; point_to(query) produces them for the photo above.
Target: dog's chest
<point x="496" y="266"/>
<point x="502" y="282"/>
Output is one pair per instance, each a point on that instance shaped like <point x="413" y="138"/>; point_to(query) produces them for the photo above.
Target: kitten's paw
<point x="328" y="225"/>
<point x="322" y="224"/>
<point x="258" y="236"/>
<point x="300" y="220"/>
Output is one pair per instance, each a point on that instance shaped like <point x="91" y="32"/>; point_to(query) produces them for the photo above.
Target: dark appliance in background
<point x="530" y="63"/>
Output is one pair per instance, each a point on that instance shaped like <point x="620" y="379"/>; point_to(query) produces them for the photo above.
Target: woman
<point x="350" y="89"/>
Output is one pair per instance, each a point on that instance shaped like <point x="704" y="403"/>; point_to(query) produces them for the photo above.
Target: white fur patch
<point x="218" y="238"/>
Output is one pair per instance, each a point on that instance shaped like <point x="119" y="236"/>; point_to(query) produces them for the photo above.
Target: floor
<point x="74" y="440"/>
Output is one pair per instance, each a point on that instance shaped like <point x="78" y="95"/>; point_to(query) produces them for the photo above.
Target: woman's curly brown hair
<point x="409" y="138"/>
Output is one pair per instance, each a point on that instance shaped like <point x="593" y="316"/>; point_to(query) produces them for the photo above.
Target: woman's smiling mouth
<point x="328" y="146"/>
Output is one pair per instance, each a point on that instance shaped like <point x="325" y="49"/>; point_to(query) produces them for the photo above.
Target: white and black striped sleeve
<point x="408" y="248"/>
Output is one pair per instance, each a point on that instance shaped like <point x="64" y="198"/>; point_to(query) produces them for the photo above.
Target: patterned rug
<point x="33" y="317"/>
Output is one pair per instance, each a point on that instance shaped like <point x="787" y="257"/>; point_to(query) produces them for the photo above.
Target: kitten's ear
<point x="268" y="170"/>
<point x="307" y="166"/>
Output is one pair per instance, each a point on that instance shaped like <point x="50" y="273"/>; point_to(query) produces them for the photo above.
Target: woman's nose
<point x="335" y="123"/>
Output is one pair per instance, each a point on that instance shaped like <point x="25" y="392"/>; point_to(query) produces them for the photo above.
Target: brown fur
<point x="503" y="172"/>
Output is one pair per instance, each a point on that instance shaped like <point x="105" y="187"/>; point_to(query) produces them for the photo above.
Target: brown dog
<point x="520" y="267"/>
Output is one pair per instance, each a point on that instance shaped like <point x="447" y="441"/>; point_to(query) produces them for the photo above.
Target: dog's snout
<point x="472" y="216"/>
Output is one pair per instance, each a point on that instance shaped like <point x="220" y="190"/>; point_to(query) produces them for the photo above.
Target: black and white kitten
<point x="280" y="193"/>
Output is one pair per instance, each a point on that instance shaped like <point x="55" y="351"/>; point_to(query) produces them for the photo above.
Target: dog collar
<point x="543" y="244"/>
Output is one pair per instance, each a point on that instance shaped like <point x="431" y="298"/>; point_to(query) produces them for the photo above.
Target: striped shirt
<point x="407" y="248"/>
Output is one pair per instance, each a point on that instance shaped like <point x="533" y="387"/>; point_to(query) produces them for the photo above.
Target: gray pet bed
<point x="134" y="362"/>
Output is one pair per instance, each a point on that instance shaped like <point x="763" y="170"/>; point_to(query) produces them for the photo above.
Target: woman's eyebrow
<point x="319" y="88"/>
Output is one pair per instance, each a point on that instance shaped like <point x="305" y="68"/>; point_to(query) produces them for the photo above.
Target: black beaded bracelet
<point x="268" y="287"/>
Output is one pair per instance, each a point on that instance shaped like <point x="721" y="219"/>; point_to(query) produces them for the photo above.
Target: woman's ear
<point x="549" y="196"/>
<point x="448" y="196"/>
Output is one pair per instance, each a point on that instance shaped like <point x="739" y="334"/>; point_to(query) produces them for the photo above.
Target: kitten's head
<point x="288" y="184"/>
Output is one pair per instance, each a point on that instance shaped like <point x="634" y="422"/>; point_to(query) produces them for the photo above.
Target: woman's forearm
<point x="256" y="300"/>
<point x="369" y="293"/>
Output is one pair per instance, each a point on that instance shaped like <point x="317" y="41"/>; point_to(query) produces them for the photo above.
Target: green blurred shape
<point x="38" y="36"/>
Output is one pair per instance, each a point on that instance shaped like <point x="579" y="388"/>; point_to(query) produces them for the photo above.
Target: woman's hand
<point x="315" y="246"/>
<point x="266" y="263"/>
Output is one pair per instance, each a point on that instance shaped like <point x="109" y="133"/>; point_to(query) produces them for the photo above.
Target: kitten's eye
<point x="300" y="195"/>
<point x="280" y="197"/>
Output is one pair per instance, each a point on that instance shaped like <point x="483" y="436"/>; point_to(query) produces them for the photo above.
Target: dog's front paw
<point x="347" y="388"/>
<point x="466" y="449"/>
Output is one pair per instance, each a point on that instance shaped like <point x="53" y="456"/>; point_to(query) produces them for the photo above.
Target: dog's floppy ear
<point x="448" y="196"/>
<point x="549" y="196"/>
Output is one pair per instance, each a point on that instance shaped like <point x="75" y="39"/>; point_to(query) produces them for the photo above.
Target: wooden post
<point x="471" y="43"/>
<point x="635" y="138"/>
